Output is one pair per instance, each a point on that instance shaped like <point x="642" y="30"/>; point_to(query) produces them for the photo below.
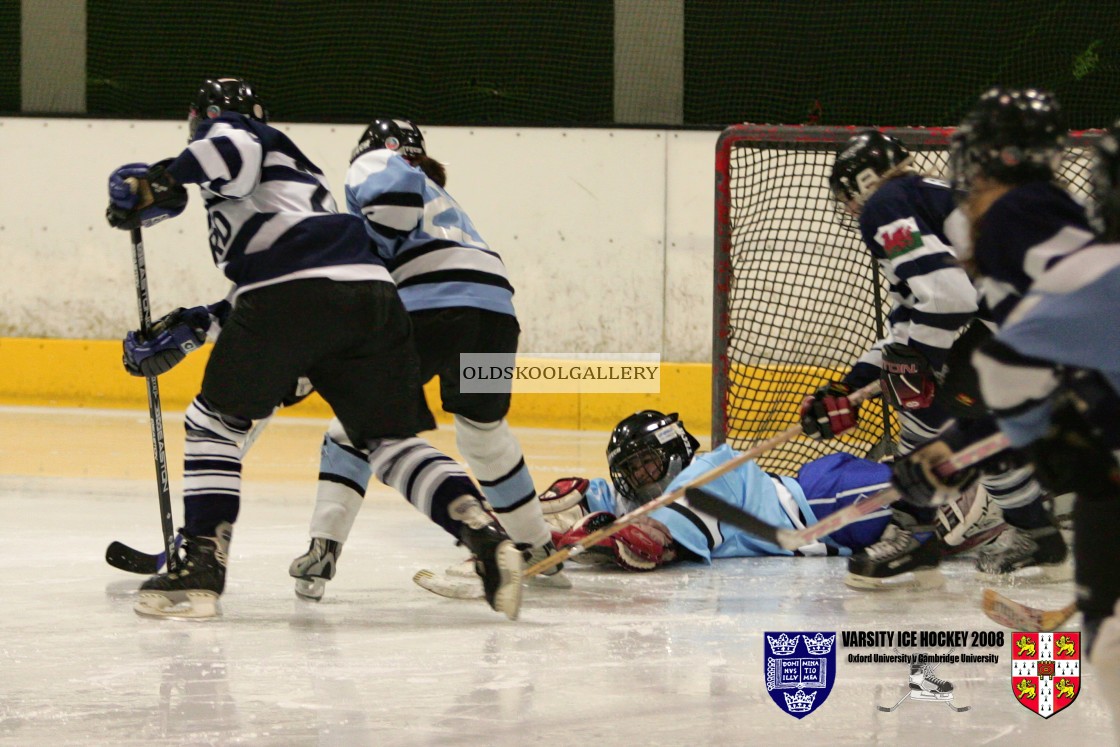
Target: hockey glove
<point x="168" y="341"/>
<point x="919" y="483"/>
<point x="564" y="504"/>
<point x="641" y="546"/>
<point x="827" y="412"/>
<point x="142" y="195"/>
<point x="907" y="378"/>
<point x="1072" y="458"/>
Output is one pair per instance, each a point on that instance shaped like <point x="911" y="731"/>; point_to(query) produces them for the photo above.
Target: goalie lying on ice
<point x="651" y="453"/>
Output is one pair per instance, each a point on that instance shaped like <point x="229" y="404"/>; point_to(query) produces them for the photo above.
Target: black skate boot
<point x="897" y="560"/>
<point x="1028" y="555"/>
<point x="497" y="561"/>
<point x="925" y="686"/>
<point x="192" y="589"/>
<point x="315" y="568"/>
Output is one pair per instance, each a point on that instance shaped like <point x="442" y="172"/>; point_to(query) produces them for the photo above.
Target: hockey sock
<point x="344" y="474"/>
<point x="429" y="479"/>
<point x="1014" y="489"/>
<point x="495" y="457"/>
<point x="211" y="468"/>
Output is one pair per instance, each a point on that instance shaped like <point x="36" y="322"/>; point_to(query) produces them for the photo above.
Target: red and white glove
<point x="641" y="546"/>
<point x="564" y="504"/>
<point x="827" y="412"/>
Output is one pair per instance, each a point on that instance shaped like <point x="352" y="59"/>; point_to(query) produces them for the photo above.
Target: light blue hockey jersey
<point x="822" y="487"/>
<point x="431" y="247"/>
<point x="1071" y="317"/>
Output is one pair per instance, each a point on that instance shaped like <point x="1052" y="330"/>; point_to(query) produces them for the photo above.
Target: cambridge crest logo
<point x="1045" y="670"/>
<point x="800" y="670"/>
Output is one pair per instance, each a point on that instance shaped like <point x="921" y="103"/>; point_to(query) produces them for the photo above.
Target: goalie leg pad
<point x="907" y="377"/>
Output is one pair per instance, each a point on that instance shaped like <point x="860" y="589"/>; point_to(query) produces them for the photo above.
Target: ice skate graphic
<point x="926" y="686"/>
<point x="1045" y="670"/>
<point x="799" y="684"/>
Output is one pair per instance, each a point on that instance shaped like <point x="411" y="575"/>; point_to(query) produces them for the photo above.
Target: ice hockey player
<point x="460" y="300"/>
<point x="1004" y="161"/>
<point x="309" y="299"/>
<point x="650" y="453"/>
<point x="1052" y="377"/>
<point x="902" y="217"/>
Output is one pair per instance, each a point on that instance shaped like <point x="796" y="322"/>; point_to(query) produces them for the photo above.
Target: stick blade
<point x="120" y="555"/>
<point x="1012" y="614"/>
<point x="723" y="511"/>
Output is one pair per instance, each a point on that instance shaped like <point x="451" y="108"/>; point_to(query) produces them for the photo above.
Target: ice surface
<point x="667" y="658"/>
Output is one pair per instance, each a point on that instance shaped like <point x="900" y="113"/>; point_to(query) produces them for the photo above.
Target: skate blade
<point x="197" y="605"/>
<point x="1034" y="574"/>
<point x="923" y="695"/>
<point x="909" y="581"/>
<point x="511" y="565"/>
<point x="449" y="586"/>
<point x="462" y="570"/>
<point x="558" y="580"/>
<point x="311" y="589"/>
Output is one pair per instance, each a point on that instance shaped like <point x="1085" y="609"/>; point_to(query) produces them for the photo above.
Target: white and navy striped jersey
<point x="1020" y="236"/>
<point x="431" y="247"/>
<point x="1069" y="319"/>
<point x="271" y="215"/>
<point x="903" y="226"/>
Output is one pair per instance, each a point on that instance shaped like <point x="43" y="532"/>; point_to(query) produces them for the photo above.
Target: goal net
<point x="798" y="297"/>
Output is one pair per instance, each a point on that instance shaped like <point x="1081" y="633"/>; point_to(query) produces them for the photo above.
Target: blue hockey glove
<point x="166" y="343"/>
<point x="122" y="194"/>
<point x="141" y="195"/>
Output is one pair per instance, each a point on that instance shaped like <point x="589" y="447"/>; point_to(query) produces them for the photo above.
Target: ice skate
<point x="550" y="579"/>
<point x="315" y="567"/>
<point x="191" y="591"/>
<point x="1029" y="555"/>
<point x="897" y="561"/>
<point x="925" y="686"/>
<point x="497" y="560"/>
<point x="971" y="520"/>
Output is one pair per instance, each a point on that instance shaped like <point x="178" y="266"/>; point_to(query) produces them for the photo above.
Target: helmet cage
<point x="646" y="453"/>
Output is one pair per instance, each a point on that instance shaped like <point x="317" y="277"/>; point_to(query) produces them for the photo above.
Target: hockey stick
<point x="792" y="539"/>
<point x="120" y="555"/>
<point x="1012" y="614"/>
<point x="155" y="412"/>
<point x="860" y="395"/>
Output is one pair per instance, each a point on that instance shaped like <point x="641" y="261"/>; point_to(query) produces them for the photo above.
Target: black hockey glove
<point x="168" y="341"/>
<point x="142" y="195"/>
<point x="915" y="475"/>
<point x="827" y="412"/>
<point x="907" y="378"/>
<point x="1072" y="457"/>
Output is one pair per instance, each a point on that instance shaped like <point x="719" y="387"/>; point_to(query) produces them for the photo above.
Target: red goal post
<point x="797" y="297"/>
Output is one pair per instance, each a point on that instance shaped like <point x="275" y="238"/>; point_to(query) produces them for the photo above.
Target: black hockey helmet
<point x="400" y="135"/>
<point x="1013" y="135"/>
<point x="1104" y="207"/>
<point x="217" y="95"/>
<point x="646" y="451"/>
<point x="861" y="164"/>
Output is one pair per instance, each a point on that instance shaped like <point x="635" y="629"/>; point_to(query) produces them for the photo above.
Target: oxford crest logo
<point x="800" y="669"/>
<point x="1045" y="670"/>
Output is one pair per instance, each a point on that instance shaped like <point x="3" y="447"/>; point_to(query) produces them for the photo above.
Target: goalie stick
<point x="792" y="539"/>
<point x="466" y="589"/>
<point x="1012" y="614"/>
